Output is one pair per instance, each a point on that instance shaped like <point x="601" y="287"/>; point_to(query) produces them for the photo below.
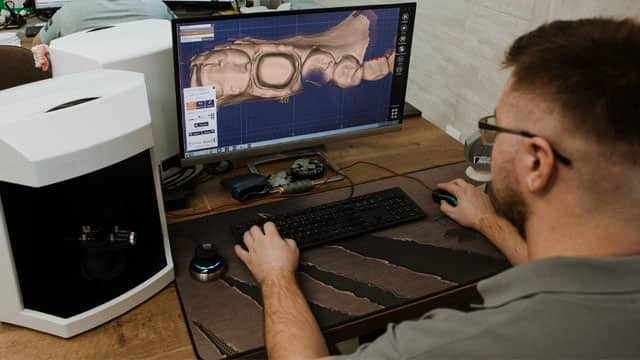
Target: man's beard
<point x="510" y="204"/>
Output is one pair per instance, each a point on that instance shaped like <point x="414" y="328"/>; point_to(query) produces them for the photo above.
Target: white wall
<point x="455" y="75"/>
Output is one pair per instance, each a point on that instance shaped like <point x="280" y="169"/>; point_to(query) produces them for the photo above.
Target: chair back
<point x="18" y="67"/>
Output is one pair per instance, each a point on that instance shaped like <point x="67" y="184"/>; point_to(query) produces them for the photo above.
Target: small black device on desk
<point x="341" y="219"/>
<point x="33" y="30"/>
<point x="206" y="264"/>
<point x="248" y="186"/>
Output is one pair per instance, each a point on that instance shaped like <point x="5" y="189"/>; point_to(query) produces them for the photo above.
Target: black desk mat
<point x="343" y="281"/>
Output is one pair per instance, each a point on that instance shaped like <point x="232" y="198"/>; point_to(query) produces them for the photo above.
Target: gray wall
<point x="455" y="75"/>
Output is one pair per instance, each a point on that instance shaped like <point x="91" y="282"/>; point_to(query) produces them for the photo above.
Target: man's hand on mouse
<point x="474" y="210"/>
<point x="474" y="206"/>
<point x="269" y="256"/>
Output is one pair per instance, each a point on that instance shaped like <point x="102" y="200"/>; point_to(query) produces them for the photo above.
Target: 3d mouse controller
<point x="206" y="264"/>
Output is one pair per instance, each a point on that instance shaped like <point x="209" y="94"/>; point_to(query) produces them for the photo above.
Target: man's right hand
<point x="474" y="210"/>
<point x="474" y="207"/>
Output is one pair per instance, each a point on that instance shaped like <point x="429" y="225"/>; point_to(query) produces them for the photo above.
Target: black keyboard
<point x="341" y="219"/>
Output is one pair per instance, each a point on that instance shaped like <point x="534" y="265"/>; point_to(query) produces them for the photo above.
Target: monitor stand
<point x="297" y="154"/>
<point x="410" y="111"/>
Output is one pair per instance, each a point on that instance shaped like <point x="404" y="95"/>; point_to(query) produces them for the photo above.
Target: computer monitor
<point x="49" y="4"/>
<point x="255" y="84"/>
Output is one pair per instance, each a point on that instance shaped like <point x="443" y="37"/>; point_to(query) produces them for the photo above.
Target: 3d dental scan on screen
<point x="266" y="80"/>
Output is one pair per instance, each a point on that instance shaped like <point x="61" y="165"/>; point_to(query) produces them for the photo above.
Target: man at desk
<point x="566" y="176"/>
<point x="86" y="14"/>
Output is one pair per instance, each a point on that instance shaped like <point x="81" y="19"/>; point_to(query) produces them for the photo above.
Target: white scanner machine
<point x="83" y="235"/>
<point x="143" y="46"/>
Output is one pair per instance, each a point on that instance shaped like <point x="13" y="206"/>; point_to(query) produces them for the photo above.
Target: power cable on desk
<point x="388" y="170"/>
<point x="314" y="189"/>
<point x="179" y="177"/>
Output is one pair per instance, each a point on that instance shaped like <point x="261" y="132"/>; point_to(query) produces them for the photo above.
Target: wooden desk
<point x="419" y="145"/>
<point x="156" y="329"/>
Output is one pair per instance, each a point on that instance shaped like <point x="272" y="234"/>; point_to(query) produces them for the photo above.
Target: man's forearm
<point x="506" y="237"/>
<point x="36" y="40"/>
<point x="291" y="331"/>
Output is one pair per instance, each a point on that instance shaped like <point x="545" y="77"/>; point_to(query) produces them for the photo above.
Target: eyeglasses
<point x="489" y="130"/>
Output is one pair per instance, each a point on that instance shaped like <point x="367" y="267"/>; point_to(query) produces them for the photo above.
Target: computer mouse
<point x="207" y="264"/>
<point x="439" y="195"/>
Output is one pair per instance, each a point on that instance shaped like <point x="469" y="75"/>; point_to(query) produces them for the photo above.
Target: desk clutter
<point x="342" y="281"/>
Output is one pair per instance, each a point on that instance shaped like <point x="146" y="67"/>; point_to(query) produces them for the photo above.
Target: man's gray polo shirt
<point x="80" y="15"/>
<point x="564" y="307"/>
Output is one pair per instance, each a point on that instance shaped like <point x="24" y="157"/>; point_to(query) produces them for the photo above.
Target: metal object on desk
<point x="479" y="155"/>
<point x="206" y="264"/>
<point x="304" y="153"/>
<point x="104" y="253"/>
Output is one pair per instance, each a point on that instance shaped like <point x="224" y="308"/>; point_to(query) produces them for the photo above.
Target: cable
<point x="314" y="189"/>
<point x="352" y="186"/>
<point x="175" y="180"/>
<point x="388" y="170"/>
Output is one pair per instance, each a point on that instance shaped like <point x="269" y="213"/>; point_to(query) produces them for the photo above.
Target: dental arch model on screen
<point x="251" y="69"/>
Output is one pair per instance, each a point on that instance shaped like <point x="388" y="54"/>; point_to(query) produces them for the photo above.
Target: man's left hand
<point x="269" y="257"/>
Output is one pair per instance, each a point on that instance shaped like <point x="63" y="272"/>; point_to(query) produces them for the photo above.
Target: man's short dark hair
<point x="590" y="68"/>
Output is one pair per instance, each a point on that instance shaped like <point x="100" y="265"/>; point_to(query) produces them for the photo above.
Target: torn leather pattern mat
<point x="343" y="281"/>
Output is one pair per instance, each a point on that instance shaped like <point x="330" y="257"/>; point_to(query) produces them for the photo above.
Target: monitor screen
<point x="256" y="83"/>
<point x="49" y="4"/>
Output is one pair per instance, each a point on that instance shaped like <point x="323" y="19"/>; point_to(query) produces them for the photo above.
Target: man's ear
<point x="539" y="164"/>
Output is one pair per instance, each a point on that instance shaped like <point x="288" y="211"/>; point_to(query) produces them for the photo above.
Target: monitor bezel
<point x="291" y="145"/>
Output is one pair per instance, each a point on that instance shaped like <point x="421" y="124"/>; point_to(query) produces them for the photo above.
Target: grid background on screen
<point x="316" y="108"/>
